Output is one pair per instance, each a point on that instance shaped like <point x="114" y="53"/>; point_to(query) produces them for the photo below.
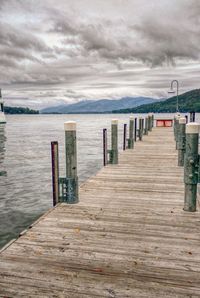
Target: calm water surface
<point x="25" y="163"/>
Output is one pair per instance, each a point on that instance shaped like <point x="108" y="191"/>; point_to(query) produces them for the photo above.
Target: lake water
<point x="25" y="162"/>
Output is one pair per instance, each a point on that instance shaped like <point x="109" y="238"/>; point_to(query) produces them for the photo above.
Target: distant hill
<point x="98" y="106"/>
<point x="19" y="110"/>
<point x="189" y="101"/>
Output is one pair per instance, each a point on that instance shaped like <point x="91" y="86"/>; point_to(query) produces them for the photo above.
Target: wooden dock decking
<point x="128" y="236"/>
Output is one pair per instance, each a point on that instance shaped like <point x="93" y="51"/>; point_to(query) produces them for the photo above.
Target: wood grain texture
<point x="128" y="236"/>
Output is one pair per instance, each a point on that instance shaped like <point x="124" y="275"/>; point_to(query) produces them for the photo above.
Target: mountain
<point x="189" y="101"/>
<point x="19" y="110"/>
<point x="98" y="106"/>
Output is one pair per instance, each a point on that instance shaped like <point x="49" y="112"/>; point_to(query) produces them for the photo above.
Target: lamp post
<point x="172" y="91"/>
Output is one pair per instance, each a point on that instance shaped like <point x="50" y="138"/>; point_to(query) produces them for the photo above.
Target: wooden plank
<point x="128" y="236"/>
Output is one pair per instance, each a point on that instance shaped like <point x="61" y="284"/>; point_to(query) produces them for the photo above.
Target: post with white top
<point x="131" y="133"/>
<point x="71" y="187"/>
<point x="176" y="128"/>
<point x="181" y="141"/>
<point x="191" y="166"/>
<point x="114" y="142"/>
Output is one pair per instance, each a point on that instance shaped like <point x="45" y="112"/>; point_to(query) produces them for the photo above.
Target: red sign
<point x="164" y="123"/>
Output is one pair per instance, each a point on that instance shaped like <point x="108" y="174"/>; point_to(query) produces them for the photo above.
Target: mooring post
<point x="150" y="122"/>
<point x="192" y="116"/>
<point x="181" y="141"/>
<point x="176" y="128"/>
<point x="131" y="132"/>
<point x="55" y="172"/>
<point x="124" y="137"/>
<point x="191" y="165"/>
<point x="140" y="128"/>
<point x="114" y="142"/>
<point x="186" y="117"/>
<point x="135" y="129"/>
<point x="71" y="163"/>
<point x="105" y="147"/>
<point x="146" y="126"/>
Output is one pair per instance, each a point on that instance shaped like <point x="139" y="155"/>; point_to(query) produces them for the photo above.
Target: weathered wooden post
<point x="181" y="141"/>
<point x="152" y="120"/>
<point x="71" y="187"/>
<point x="192" y="116"/>
<point x="146" y="126"/>
<point x="55" y="172"/>
<point x="114" y="142"/>
<point x="124" y="137"/>
<point x="140" y="128"/>
<point x="176" y="128"/>
<point x="191" y="165"/>
<point x="135" y="129"/>
<point x="149" y="122"/>
<point x="105" y="147"/>
<point x="131" y="132"/>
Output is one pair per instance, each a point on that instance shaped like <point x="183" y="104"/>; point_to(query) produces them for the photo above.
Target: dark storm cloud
<point x="97" y="48"/>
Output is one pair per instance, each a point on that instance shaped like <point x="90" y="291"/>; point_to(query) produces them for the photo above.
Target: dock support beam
<point x="71" y="163"/>
<point x="131" y="132"/>
<point x="114" y="142"/>
<point x="191" y="165"/>
<point x="181" y="141"/>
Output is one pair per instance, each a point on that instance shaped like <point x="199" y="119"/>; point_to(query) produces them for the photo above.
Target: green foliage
<point x="19" y="110"/>
<point x="189" y="101"/>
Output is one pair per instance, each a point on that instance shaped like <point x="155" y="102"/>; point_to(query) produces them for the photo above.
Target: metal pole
<point x="124" y="137"/>
<point x="181" y="141"/>
<point x="71" y="162"/>
<point x="55" y="172"/>
<point x="114" y="142"/>
<point x="131" y="131"/>
<point x="105" y="147"/>
<point x="191" y="165"/>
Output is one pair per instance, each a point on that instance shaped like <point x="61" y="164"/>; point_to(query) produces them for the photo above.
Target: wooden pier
<point x="128" y="236"/>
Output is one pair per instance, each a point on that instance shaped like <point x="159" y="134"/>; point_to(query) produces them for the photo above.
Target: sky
<point x="62" y="51"/>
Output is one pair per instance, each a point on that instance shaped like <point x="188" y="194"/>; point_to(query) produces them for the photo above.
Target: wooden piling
<point x="146" y="126"/>
<point x="131" y="132"/>
<point x="140" y="129"/>
<point x="124" y="137"/>
<point x="105" y="147"/>
<point x="71" y="162"/>
<point x="55" y="172"/>
<point x="114" y="142"/>
<point x="191" y="165"/>
<point x="135" y="129"/>
<point x="192" y="116"/>
<point x="181" y="141"/>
